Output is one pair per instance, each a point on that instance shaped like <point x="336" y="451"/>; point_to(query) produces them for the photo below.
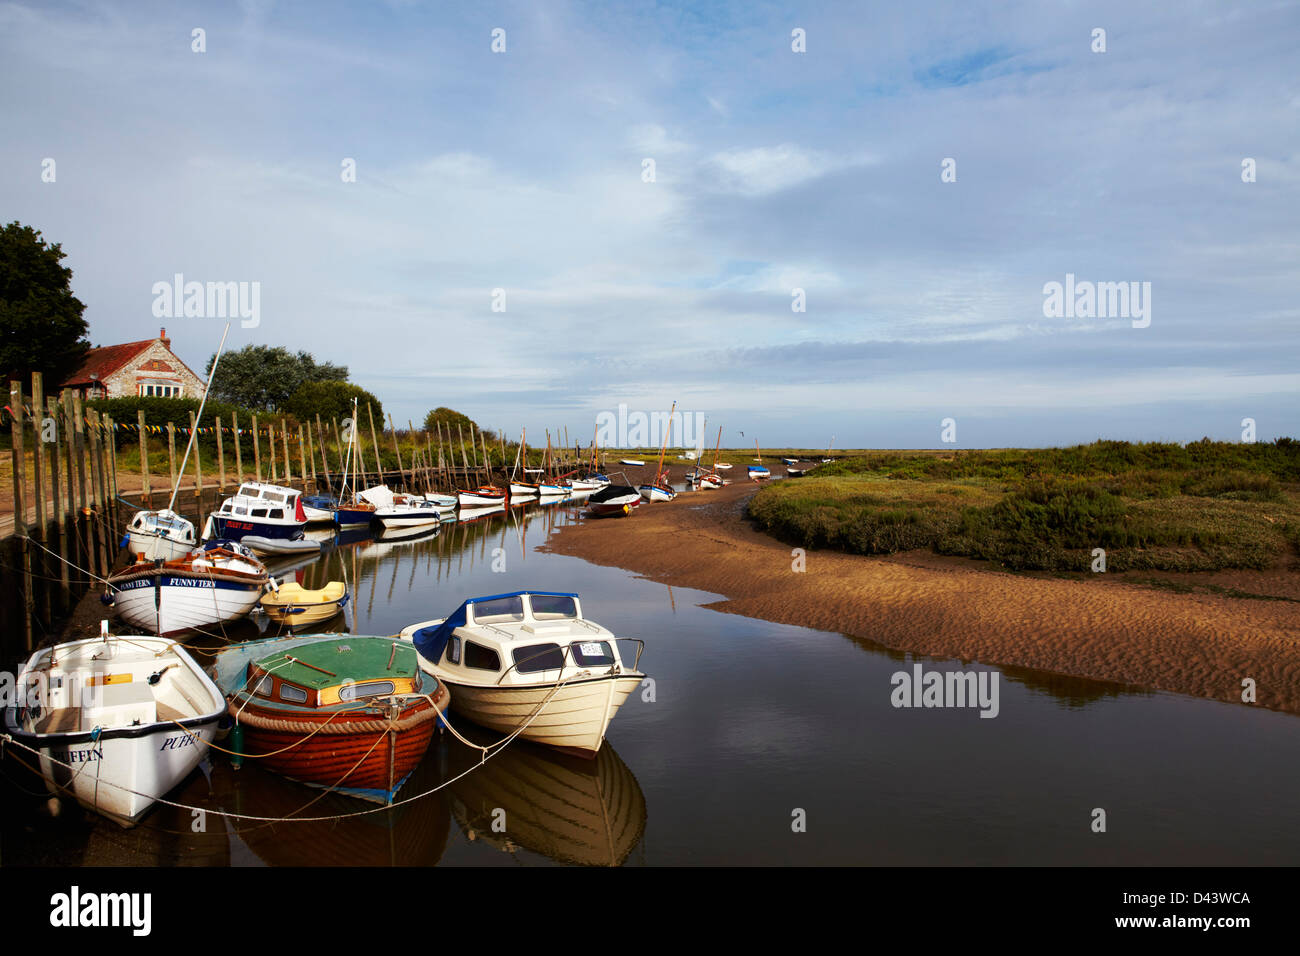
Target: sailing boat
<point x="355" y="513"/>
<point x="711" y="480"/>
<point x="551" y="487"/>
<point x="759" y="472"/>
<point x="659" y="489"/>
<point x="520" y="490"/>
<point x="164" y="535"/>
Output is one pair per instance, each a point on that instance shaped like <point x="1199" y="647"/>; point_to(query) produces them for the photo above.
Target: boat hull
<point x="157" y="547"/>
<point x="572" y="718"/>
<point x="120" y="771"/>
<point x="236" y="529"/>
<point x="656" y="493"/>
<point x="171" y="602"/>
<point x="353" y="755"/>
<point x="353" y="517"/>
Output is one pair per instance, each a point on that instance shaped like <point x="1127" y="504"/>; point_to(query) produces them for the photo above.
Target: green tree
<point x="333" y="400"/>
<point x="41" y="324"/>
<point x="449" y="418"/>
<point x="264" y="377"/>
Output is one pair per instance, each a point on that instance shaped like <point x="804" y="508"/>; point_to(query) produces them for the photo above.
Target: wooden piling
<point x="257" y="451"/>
<point x="171" y="458"/>
<point x="61" y="516"/>
<point x="303" y="458"/>
<point x="288" y="468"/>
<point x="379" y="468"/>
<point x="146" y="495"/>
<point x="20" y="504"/>
<point x="239" y="455"/>
<point x="221" y="458"/>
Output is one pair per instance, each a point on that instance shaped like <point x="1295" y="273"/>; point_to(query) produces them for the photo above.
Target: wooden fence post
<point x="146" y="495"/>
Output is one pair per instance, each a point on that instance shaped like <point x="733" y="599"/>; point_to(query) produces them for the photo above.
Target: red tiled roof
<point x="104" y="361"/>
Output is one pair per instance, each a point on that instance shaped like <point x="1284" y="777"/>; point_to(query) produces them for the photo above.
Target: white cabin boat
<point x="260" y="509"/>
<point x="413" y="513"/>
<point x="530" y="662"/>
<point x="160" y="535"/>
<point x="117" y="722"/>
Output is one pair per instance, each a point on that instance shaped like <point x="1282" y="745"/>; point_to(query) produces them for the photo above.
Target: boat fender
<point x="126" y="538"/>
<point x="237" y="746"/>
<point x="106" y="599"/>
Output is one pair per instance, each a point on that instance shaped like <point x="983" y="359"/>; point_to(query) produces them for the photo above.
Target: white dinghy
<point x="117" y="722"/>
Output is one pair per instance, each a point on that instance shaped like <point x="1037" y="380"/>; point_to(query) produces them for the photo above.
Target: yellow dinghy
<point x="295" y="606"/>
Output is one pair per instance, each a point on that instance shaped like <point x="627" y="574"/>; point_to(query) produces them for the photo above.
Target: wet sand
<point x="1101" y="627"/>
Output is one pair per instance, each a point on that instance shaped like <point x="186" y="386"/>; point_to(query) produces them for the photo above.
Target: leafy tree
<point x="333" y="400"/>
<point x="264" y="377"/>
<point x="41" y="324"/>
<point x="449" y="418"/>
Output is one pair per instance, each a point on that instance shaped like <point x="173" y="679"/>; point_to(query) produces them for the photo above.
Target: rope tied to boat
<point x="489" y="752"/>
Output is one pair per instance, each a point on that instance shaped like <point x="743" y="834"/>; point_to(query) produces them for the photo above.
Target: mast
<point x="198" y="419"/>
<point x="717" y="448"/>
<point x="664" y="448"/>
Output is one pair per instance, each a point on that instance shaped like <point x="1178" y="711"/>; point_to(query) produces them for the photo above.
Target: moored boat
<point x="660" y="489"/>
<point x="259" y="509"/>
<point x="295" y="606"/>
<point x="117" y="722"/>
<point x="219" y="582"/>
<point x="613" y="501"/>
<point x="413" y="513"/>
<point x="160" y="535"/>
<point x="351" y="713"/>
<point x="529" y="662"/>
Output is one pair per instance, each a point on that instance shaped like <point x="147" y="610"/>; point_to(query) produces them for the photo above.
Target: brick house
<point x="147" y="368"/>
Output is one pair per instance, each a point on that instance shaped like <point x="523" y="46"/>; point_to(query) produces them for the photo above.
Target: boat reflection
<point x="410" y="834"/>
<point x="569" y="809"/>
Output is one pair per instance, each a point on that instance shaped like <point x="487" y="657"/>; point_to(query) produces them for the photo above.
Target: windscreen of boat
<point x="376" y="688"/>
<point x="502" y="610"/>
<point x="593" y="653"/>
<point x="552" y="607"/>
<point x="538" y="657"/>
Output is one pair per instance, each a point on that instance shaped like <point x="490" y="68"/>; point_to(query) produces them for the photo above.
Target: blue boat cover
<point x="431" y="641"/>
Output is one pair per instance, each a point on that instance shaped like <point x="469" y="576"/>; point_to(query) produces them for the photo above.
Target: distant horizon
<point x="796" y="224"/>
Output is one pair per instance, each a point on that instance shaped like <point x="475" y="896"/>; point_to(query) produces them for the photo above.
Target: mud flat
<point x="1110" y="628"/>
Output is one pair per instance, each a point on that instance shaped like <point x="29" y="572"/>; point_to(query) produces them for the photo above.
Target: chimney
<point x="162" y="335"/>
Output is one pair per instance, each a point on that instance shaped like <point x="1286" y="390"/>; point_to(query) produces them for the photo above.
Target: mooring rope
<point x="488" y="753"/>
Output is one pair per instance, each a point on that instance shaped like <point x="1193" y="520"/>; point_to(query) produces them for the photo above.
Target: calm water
<point x="750" y="722"/>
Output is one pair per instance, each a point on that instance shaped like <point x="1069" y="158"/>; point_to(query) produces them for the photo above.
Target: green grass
<point x="1156" y="506"/>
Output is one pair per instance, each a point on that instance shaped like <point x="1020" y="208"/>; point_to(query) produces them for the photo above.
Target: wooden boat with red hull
<point x="347" y="713"/>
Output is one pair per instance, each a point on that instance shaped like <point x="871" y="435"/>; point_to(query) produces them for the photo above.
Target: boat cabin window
<point x="538" y="657"/>
<point x="259" y="512"/>
<point x="374" y="688"/>
<point x="248" y="491"/>
<point x="294" y="695"/>
<point x="263" y="687"/>
<point x="499" y="611"/>
<point x="241" y="511"/>
<point x="274" y="496"/>
<point x="453" y="650"/>
<point x="550" y="607"/>
<point x="593" y="653"/>
<point x="480" y="658"/>
<point x="276" y="513"/>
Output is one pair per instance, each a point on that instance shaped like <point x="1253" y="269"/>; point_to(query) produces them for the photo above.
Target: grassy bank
<point x="1157" y="506"/>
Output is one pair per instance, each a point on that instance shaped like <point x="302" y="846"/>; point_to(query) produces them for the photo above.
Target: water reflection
<point x="569" y="809"/>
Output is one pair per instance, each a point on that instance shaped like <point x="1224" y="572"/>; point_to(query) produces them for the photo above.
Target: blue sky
<point x="774" y="170"/>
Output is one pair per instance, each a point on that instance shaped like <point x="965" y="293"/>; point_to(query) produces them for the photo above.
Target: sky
<point x="774" y="170"/>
